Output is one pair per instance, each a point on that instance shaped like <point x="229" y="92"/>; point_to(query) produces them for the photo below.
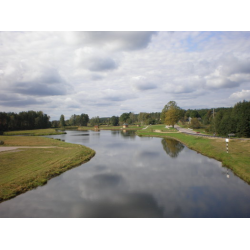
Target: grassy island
<point x="238" y="158"/>
<point x="35" y="161"/>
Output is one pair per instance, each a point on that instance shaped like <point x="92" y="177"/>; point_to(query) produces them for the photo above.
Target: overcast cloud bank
<point x="108" y="73"/>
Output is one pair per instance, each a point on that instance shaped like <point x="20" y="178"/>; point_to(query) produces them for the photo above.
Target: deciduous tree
<point x="172" y="114"/>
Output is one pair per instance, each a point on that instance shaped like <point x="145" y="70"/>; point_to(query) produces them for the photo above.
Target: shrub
<point x="195" y="123"/>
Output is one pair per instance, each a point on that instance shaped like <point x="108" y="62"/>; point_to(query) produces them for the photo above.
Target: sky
<point x="108" y="73"/>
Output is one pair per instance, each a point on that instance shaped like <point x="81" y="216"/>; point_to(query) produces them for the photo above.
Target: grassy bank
<point x="27" y="168"/>
<point x="201" y="130"/>
<point x="104" y="127"/>
<point x="238" y="158"/>
<point x="35" y="132"/>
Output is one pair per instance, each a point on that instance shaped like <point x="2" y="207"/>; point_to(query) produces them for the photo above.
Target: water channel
<point x="133" y="176"/>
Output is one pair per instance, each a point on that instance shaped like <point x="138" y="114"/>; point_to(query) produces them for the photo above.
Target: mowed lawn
<point x="27" y="168"/>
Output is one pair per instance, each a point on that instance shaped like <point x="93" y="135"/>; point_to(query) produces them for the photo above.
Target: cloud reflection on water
<point x="136" y="178"/>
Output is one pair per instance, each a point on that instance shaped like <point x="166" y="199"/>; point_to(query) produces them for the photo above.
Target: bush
<point x="195" y="123"/>
<point x="1" y="142"/>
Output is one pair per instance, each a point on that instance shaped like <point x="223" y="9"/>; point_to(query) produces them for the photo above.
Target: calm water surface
<point x="133" y="176"/>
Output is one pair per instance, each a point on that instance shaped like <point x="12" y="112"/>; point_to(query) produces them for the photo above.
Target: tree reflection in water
<point x="128" y="133"/>
<point x="172" y="147"/>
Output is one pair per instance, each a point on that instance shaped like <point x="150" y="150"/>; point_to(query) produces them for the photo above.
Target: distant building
<point x="96" y="127"/>
<point x="125" y="125"/>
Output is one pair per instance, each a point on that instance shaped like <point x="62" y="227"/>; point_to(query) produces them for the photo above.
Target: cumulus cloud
<point x="184" y="85"/>
<point x="16" y="100"/>
<point x="241" y="95"/>
<point x="220" y="82"/>
<point x="21" y="103"/>
<point x="94" y="60"/>
<point x="96" y="77"/>
<point x="229" y="72"/>
<point x="241" y="78"/>
<point x="141" y="83"/>
<point x="114" y="95"/>
<point x="35" y="80"/>
<point x="39" y="89"/>
<point x="138" y="71"/>
<point x="229" y="64"/>
<point x="111" y="40"/>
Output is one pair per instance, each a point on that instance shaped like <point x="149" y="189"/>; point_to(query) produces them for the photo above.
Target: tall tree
<point x="114" y="120"/>
<point x="124" y="117"/>
<point x="166" y="108"/>
<point x="62" y="121"/>
<point x="172" y="114"/>
<point x="241" y="114"/>
<point x="172" y="117"/>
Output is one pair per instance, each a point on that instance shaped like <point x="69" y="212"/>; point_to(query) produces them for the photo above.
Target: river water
<point x="133" y="176"/>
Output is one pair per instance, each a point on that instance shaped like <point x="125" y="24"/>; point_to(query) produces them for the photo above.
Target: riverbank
<point x="25" y="168"/>
<point x="237" y="159"/>
<point x="104" y="127"/>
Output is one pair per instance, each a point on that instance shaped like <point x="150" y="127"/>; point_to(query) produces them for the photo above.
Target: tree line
<point x="219" y="121"/>
<point x="74" y="120"/>
<point x="24" y="120"/>
<point x="143" y="118"/>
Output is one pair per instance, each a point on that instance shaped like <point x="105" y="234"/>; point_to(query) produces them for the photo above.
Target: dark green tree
<point x="124" y="117"/>
<point x="62" y="121"/>
<point x="114" y="120"/>
<point x="241" y="114"/>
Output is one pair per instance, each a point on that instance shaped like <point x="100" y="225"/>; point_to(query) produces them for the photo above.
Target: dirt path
<point x="3" y="149"/>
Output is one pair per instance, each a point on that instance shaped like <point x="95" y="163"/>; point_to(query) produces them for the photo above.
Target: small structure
<point x="96" y="127"/>
<point x="125" y="125"/>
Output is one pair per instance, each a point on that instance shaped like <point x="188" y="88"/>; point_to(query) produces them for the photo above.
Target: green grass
<point x="238" y="158"/>
<point x="35" y="132"/>
<point x="201" y="130"/>
<point x="104" y="127"/>
<point x="68" y="127"/>
<point x="27" y="168"/>
<point x="160" y="127"/>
